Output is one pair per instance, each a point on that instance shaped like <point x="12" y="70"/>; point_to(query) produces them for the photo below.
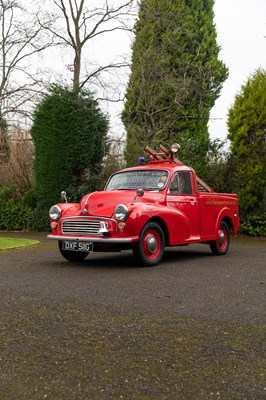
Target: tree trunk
<point x="76" y="74"/>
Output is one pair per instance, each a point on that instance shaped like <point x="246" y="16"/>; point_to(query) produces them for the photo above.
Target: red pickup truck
<point x="146" y="208"/>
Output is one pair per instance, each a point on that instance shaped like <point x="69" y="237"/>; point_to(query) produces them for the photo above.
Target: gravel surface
<point x="191" y="328"/>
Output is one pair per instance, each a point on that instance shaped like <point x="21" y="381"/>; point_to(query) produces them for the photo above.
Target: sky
<point x="241" y="33"/>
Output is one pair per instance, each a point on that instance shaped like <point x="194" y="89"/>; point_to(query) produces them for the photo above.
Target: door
<point x="183" y="199"/>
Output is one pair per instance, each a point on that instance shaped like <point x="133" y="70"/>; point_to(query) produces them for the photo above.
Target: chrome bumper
<point x="93" y="239"/>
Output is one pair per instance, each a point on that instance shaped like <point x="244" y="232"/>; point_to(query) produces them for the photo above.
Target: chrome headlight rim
<point x="121" y="212"/>
<point x="174" y="148"/>
<point x="55" y="213"/>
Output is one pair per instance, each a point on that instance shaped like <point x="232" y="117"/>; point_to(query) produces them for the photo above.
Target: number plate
<point x="77" y="246"/>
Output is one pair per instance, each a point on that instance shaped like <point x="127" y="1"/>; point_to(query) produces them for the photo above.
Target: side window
<point x="181" y="183"/>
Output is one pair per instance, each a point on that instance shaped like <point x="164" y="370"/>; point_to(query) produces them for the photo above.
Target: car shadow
<point x="126" y="259"/>
<point x="187" y="253"/>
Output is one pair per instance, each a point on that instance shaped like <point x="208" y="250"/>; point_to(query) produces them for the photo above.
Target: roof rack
<point x="167" y="156"/>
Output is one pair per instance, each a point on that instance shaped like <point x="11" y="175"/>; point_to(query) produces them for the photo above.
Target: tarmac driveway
<point x="191" y="328"/>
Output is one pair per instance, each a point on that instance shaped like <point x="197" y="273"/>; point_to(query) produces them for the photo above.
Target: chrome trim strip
<point x="87" y="199"/>
<point x="93" y="240"/>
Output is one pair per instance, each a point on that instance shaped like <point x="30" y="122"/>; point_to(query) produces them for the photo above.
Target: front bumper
<point x="94" y="239"/>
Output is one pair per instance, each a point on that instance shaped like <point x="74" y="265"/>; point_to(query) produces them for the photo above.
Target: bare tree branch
<point x="82" y="24"/>
<point x="19" y="44"/>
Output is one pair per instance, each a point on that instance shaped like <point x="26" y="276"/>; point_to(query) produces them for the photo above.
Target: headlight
<point x="55" y="212"/>
<point x="121" y="212"/>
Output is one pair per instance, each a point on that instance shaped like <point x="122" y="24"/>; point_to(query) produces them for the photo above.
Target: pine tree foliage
<point x="247" y="132"/>
<point x="69" y="133"/>
<point x="176" y="77"/>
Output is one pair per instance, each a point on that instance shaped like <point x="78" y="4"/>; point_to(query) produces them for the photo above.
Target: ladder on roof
<point x="165" y="154"/>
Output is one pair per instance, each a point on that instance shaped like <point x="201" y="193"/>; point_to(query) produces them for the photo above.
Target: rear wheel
<point x="72" y="255"/>
<point x="221" y="245"/>
<point x="150" y="248"/>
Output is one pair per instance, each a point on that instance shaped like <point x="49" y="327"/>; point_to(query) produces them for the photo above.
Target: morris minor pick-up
<point x="146" y="208"/>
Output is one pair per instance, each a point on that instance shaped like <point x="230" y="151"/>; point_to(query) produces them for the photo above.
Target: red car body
<point x="146" y="218"/>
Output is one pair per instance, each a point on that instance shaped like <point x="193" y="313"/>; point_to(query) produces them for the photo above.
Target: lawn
<point x="7" y="243"/>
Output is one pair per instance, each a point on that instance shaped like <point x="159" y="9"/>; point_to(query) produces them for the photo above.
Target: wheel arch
<point x="162" y="225"/>
<point x="226" y="216"/>
<point x="229" y="223"/>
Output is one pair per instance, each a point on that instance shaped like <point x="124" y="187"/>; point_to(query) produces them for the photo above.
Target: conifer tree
<point x="247" y="132"/>
<point x="69" y="133"/>
<point x="176" y="77"/>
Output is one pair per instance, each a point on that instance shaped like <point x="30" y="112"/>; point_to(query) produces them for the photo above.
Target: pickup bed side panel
<point x="213" y="208"/>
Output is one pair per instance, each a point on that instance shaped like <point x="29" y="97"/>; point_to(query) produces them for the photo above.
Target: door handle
<point x="193" y="202"/>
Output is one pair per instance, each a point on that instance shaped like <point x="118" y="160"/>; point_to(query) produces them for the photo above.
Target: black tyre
<point x="150" y="248"/>
<point x="72" y="255"/>
<point x="220" y="246"/>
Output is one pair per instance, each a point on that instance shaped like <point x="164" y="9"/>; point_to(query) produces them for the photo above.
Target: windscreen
<point x="145" y="179"/>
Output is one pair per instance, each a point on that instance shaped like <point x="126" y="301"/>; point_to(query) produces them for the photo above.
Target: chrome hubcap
<point x="152" y="244"/>
<point x="222" y="237"/>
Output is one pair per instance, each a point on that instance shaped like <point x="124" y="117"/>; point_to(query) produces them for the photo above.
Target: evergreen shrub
<point x="16" y="210"/>
<point x="253" y="225"/>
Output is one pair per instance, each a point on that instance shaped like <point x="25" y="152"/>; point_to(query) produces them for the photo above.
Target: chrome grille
<point x="81" y="227"/>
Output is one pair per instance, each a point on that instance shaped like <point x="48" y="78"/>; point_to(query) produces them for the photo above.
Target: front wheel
<point x="221" y="245"/>
<point x="150" y="248"/>
<point x="72" y="255"/>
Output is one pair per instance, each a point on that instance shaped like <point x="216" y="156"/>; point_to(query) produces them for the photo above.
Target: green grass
<point x="6" y="243"/>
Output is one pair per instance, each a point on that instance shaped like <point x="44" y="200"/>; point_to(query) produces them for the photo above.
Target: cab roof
<point x="161" y="166"/>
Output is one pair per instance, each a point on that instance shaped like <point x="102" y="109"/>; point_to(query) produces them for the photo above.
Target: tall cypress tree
<point x="176" y="77"/>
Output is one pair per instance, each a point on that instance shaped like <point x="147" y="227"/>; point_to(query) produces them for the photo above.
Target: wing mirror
<point x="139" y="193"/>
<point x="63" y="195"/>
